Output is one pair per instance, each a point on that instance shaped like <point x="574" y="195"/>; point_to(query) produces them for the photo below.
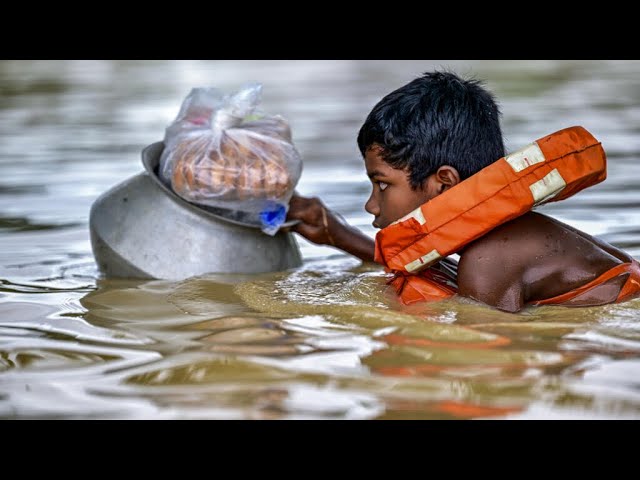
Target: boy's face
<point x="392" y="197"/>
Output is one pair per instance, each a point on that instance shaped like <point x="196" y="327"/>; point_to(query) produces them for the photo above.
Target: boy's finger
<point x="288" y="224"/>
<point x="305" y="229"/>
<point x="303" y="215"/>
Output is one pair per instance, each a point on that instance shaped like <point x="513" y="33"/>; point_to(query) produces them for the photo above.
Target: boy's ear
<point x="446" y="177"/>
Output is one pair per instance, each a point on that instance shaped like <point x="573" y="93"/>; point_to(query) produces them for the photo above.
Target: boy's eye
<point x="383" y="186"/>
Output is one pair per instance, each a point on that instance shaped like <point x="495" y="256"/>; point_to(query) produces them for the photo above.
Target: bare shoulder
<point x="491" y="268"/>
<point x="506" y="246"/>
<point x="530" y="258"/>
<point x="597" y="242"/>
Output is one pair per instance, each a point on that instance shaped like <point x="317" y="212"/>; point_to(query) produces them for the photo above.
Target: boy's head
<point x="427" y="136"/>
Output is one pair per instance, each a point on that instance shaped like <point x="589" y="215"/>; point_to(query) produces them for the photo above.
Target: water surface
<point x="322" y="341"/>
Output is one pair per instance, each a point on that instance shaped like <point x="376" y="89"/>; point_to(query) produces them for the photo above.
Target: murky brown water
<point x="322" y="341"/>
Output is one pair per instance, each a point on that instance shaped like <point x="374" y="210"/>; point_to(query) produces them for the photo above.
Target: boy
<point x="428" y="136"/>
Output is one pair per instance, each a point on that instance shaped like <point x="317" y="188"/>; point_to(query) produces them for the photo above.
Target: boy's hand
<point x="320" y="225"/>
<point x="317" y="222"/>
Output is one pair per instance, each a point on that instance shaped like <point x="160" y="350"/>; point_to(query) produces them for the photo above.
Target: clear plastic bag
<point x="220" y="152"/>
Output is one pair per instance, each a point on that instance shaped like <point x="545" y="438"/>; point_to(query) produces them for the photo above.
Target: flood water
<point x="319" y="342"/>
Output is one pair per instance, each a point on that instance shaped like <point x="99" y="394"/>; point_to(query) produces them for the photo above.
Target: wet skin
<point x="535" y="257"/>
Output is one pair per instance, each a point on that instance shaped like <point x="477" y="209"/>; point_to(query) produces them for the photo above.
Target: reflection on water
<point x="326" y="340"/>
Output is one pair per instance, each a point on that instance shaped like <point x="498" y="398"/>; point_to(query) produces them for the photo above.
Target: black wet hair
<point x="437" y="119"/>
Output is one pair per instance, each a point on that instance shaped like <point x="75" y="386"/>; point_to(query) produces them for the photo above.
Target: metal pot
<point x="141" y="229"/>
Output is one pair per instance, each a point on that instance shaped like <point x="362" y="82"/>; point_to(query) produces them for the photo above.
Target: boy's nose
<point x="372" y="207"/>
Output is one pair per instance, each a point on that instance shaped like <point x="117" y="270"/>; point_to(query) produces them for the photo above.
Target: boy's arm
<point x="320" y="225"/>
<point x="489" y="274"/>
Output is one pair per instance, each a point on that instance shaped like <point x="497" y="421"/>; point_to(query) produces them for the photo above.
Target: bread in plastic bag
<point x="219" y="152"/>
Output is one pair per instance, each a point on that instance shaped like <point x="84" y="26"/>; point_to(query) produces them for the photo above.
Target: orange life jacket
<point x="552" y="168"/>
